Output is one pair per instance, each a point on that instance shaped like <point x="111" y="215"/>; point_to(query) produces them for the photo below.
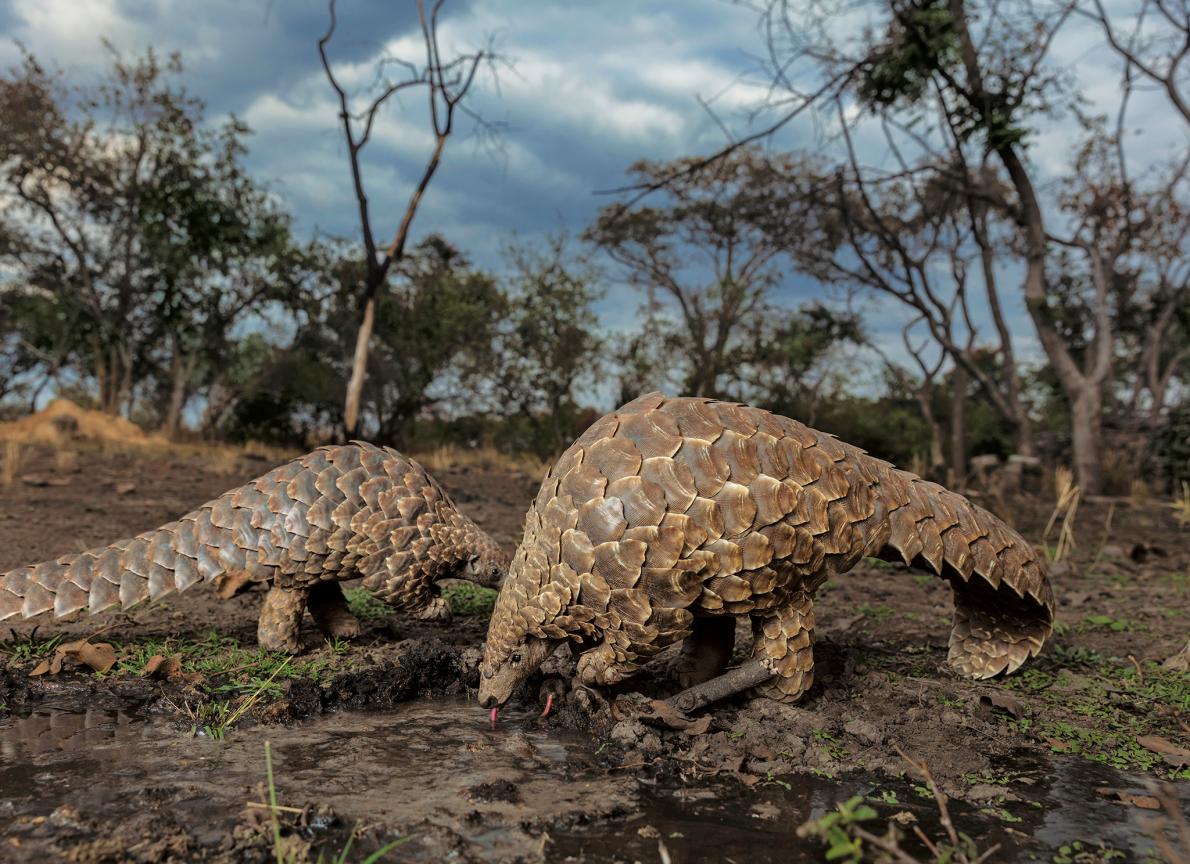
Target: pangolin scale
<point x="668" y="517"/>
<point x="337" y="513"/>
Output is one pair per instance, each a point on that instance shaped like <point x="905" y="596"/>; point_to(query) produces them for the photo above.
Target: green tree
<point x="139" y="224"/>
<point x="550" y="345"/>
<point x="711" y="250"/>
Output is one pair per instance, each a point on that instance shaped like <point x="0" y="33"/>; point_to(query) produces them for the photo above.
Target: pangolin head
<point x="487" y="563"/>
<point x="515" y="647"/>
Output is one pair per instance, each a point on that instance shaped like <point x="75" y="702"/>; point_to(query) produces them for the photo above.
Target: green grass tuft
<point x="466" y="598"/>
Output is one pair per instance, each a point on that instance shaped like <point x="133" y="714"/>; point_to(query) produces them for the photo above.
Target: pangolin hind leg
<point x="785" y="643"/>
<point x="782" y="662"/>
<point x="281" y="619"/>
<point x="329" y="609"/>
<point x="707" y="650"/>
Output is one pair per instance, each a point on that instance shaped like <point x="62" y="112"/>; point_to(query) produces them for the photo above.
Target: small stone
<point x="864" y="730"/>
<point x="650" y="743"/>
<point x="627" y="733"/>
<point x="985" y="792"/>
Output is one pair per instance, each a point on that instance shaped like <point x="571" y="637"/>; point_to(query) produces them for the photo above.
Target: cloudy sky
<point x="588" y="88"/>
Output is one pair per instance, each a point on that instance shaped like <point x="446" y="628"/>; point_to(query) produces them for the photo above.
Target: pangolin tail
<point x="298" y="516"/>
<point x="1004" y="606"/>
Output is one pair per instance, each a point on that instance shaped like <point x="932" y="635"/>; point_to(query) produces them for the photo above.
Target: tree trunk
<point x="958" y="429"/>
<point x="937" y="460"/>
<point x="359" y="365"/>
<point x="1082" y="389"/>
<point x="180" y="371"/>
<point x="1086" y="419"/>
<point x="124" y="399"/>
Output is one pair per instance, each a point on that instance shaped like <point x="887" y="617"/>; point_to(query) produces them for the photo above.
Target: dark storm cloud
<point x="588" y="89"/>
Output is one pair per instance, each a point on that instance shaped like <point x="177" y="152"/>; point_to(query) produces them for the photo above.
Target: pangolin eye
<point x="515" y="658"/>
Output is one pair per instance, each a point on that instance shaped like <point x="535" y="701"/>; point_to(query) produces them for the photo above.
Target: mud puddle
<point x="435" y="771"/>
<point x="117" y="783"/>
<point x="1050" y="814"/>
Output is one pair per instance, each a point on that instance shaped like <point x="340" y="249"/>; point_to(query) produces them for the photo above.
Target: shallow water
<point x="437" y="771"/>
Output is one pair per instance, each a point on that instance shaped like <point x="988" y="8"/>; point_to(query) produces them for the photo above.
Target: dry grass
<point x="62" y="421"/>
<point x="452" y="456"/>
<point x="1066" y="507"/>
<point x="66" y="461"/>
<point x="12" y="461"/>
<point x="66" y="429"/>
<point x="1181" y="506"/>
<point x="225" y="461"/>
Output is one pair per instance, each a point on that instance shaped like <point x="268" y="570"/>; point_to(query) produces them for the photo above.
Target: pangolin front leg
<point x="436" y="610"/>
<point x="331" y="614"/>
<point x="281" y="619"/>
<point x="599" y="667"/>
<point x="707" y="650"/>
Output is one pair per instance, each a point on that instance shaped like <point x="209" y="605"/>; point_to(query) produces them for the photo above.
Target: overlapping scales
<point x="337" y="512"/>
<point x="670" y="505"/>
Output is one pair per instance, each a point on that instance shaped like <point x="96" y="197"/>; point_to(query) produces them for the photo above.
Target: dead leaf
<point x="1146" y="802"/>
<point x="125" y="488"/>
<point x="1005" y="702"/>
<point x="42" y="480"/>
<point x="699" y="726"/>
<point x="747" y="779"/>
<point x="661" y="712"/>
<point x="100" y="657"/>
<point x="1179" y="662"/>
<point x="228" y="585"/>
<point x="161" y="668"/>
<point x="1178" y="757"/>
<point x="904" y="817"/>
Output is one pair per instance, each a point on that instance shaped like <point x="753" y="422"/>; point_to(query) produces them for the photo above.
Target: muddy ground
<point x="377" y="741"/>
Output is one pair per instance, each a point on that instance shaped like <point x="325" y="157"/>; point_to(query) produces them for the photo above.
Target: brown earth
<point x="1023" y="756"/>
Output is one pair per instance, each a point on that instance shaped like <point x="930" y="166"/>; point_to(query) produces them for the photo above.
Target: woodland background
<point x="145" y="272"/>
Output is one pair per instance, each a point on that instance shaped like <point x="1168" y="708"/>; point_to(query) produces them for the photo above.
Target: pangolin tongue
<point x="549" y="703"/>
<point x="495" y="715"/>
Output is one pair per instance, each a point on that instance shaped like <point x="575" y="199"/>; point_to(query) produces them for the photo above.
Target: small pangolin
<point x="669" y="518"/>
<point x="337" y="513"/>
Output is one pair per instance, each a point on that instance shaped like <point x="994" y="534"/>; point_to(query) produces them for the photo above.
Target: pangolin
<point x="669" y="518"/>
<point x="337" y="513"/>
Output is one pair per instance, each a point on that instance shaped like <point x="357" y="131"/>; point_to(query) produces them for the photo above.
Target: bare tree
<point x="914" y="237"/>
<point x="446" y="84"/>
<point x="1154" y="46"/>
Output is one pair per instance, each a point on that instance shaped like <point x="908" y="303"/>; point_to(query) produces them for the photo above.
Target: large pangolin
<point x="333" y="514"/>
<point x="669" y="518"/>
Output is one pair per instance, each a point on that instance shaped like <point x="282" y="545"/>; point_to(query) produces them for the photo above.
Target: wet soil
<point x="379" y="737"/>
